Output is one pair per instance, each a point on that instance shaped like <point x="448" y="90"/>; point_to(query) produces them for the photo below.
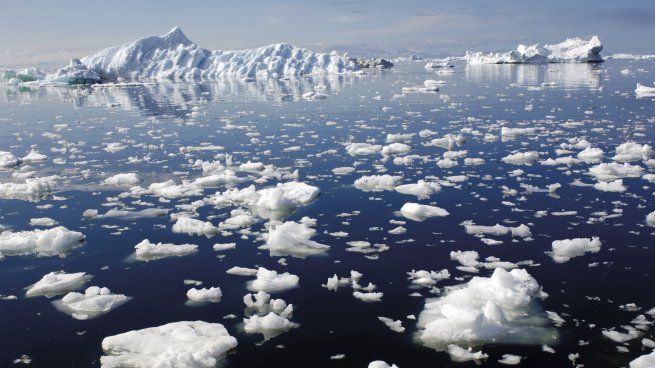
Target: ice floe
<point x="57" y="241"/>
<point x="95" y="302"/>
<point x="185" y="344"/>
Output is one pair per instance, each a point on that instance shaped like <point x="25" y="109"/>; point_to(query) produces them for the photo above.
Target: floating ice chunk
<point x="74" y="73"/>
<point x="368" y="297"/>
<point x="644" y="361"/>
<point x="146" y="250"/>
<point x="169" y="189"/>
<point x="242" y="271"/>
<point x="7" y="159"/>
<point x="188" y="225"/>
<point x="395" y="326"/>
<point x="590" y="154"/>
<point x="448" y="141"/>
<point x="512" y="133"/>
<point x="421" y="189"/>
<point x="183" y="344"/>
<point x="262" y="303"/>
<point x="360" y="149"/>
<point x="631" y="151"/>
<point x="615" y="186"/>
<point x="521" y="158"/>
<point x="33" y="156"/>
<point x="289" y="195"/>
<point x="123" y="180"/>
<point x="343" y="170"/>
<point x="522" y="230"/>
<point x="57" y="283"/>
<point x="224" y="246"/>
<point x="270" y="325"/>
<point x="127" y="215"/>
<point x="459" y="354"/>
<point x="621" y="337"/>
<point x="510" y="359"/>
<point x="575" y="50"/>
<point x="395" y="149"/>
<point x="500" y="309"/>
<point x="204" y="295"/>
<point x="523" y="54"/>
<point x="294" y="239"/>
<point x="270" y="281"/>
<point x="32" y="189"/>
<point x="613" y="171"/>
<point x="383" y="364"/>
<point x="420" y="212"/>
<point x="644" y="91"/>
<point x="377" y="183"/>
<point x="57" y="241"/>
<point x="391" y="138"/>
<point x="650" y="219"/>
<point x="94" y="302"/>
<point x="43" y="221"/>
<point x="428" y="278"/>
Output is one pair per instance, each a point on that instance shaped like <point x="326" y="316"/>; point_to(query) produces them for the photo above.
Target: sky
<point x="45" y="31"/>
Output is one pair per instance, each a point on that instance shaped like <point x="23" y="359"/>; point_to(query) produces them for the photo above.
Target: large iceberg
<point x="174" y="56"/>
<point x="573" y="50"/>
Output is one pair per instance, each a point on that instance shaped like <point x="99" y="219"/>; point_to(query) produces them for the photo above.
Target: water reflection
<point x="178" y="99"/>
<point x="565" y="75"/>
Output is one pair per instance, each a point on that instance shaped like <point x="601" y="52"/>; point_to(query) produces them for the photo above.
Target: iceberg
<point x="573" y="50"/>
<point x="501" y="309"/>
<point x="174" y="57"/>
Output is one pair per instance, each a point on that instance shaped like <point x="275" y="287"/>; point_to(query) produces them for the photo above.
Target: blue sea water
<point x="164" y="117"/>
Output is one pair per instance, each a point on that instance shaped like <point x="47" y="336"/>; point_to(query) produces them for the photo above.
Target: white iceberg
<point x="294" y="239"/>
<point x="196" y="344"/>
<point x="270" y="281"/>
<point x="503" y="308"/>
<point x="57" y="241"/>
<point x="420" y="212"/>
<point x="573" y="50"/>
<point x="95" y="302"/>
<point x="146" y="250"/>
<point x="57" y="283"/>
<point x="565" y="249"/>
<point x="204" y="295"/>
<point x="174" y="56"/>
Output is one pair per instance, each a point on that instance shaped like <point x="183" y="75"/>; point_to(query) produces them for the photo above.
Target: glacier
<point x="573" y="50"/>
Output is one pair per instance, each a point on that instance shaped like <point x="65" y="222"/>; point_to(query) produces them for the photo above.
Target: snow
<point x="294" y="239"/>
<point x="95" y="302"/>
<point x="146" y="250"/>
<point x="57" y="283"/>
<point x="174" y="56"/>
<point x="503" y="308"/>
<point x="573" y="50"/>
<point x="420" y="212"/>
<point x="270" y="281"/>
<point x="213" y="294"/>
<point x="57" y="241"/>
<point x="184" y="344"/>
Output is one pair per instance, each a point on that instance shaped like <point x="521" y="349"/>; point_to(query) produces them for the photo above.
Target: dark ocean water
<point x="170" y="116"/>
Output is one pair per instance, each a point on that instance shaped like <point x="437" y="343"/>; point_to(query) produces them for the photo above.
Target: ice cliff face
<point x="174" y="56"/>
<point x="573" y="50"/>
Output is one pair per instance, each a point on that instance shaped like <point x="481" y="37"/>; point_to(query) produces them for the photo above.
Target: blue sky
<point x="34" y="31"/>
